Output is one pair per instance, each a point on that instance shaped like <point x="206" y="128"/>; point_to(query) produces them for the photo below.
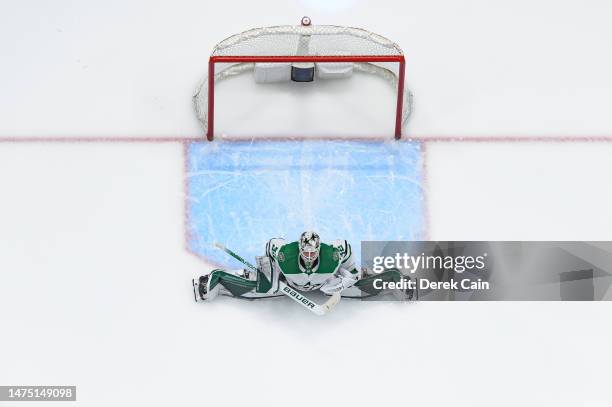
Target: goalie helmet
<point x="309" y="245"/>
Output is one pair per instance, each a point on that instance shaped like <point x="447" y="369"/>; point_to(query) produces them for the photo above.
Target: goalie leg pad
<point x="234" y="284"/>
<point x="267" y="276"/>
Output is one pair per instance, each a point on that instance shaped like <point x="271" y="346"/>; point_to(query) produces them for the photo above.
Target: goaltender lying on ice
<point x="305" y="265"/>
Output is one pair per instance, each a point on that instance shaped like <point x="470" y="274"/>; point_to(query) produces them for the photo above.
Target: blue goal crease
<point x="242" y="194"/>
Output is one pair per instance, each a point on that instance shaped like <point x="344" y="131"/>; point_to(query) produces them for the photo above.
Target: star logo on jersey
<point x="336" y="256"/>
<point x="281" y="257"/>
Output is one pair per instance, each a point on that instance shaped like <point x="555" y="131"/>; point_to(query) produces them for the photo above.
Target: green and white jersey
<point x="334" y="269"/>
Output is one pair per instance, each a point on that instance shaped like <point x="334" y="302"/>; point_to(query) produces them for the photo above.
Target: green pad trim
<point x="232" y="283"/>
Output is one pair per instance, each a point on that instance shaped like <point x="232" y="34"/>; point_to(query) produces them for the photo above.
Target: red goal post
<point x="362" y="50"/>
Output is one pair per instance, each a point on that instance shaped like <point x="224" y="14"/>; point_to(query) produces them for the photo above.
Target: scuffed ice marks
<point x="244" y="193"/>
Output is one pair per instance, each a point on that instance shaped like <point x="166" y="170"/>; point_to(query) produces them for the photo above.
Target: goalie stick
<point x="290" y="292"/>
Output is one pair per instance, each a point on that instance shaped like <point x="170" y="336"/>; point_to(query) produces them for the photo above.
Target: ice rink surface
<point x="94" y="263"/>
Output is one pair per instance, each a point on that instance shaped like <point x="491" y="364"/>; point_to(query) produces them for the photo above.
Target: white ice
<point x="94" y="276"/>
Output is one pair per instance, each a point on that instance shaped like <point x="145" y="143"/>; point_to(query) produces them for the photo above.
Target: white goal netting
<point x="290" y="40"/>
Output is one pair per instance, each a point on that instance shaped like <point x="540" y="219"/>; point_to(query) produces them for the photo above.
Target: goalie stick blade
<point x="332" y="302"/>
<point x="325" y="308"/>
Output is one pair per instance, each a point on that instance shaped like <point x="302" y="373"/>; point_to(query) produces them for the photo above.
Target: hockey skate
<point x="200" y="290"/>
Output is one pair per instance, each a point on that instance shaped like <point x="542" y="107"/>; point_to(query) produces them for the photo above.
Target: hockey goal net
<point x="303" y="53"/>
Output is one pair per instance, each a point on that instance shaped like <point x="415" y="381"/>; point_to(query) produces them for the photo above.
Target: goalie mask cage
<point x="304" y="45"/>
